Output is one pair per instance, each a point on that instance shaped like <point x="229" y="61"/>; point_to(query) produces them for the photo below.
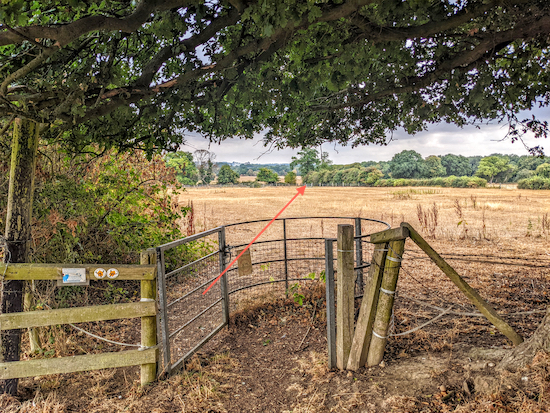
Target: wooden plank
<point x="363" y="329"/>
<point x="388" y="235"/>
<point x="483" y="306"/>
<point x="42" y="367"/>
<point x="148" y="324"/>
<point x="28" y="319"/>
<point x="244" y="263"/>
<point x="53" y="271"/>
<point x="345" y="311"/>
<point x="385" y="302"/>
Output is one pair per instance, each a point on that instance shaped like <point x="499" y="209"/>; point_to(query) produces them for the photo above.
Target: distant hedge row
<point x="449" y="181"/>
<point x="536" y="182"/>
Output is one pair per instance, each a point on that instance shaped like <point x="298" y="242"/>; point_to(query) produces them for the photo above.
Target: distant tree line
<point x="252" y="169"/>
<point x="316" y="169"/>
<point x="405" y="168"/>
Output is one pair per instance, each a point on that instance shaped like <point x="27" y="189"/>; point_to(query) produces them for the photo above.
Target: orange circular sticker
<point x="112" y="273"/>
<point x="100" y="273"/>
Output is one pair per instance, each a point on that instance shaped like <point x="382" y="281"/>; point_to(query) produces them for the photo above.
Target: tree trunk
<point x="18" y="232"/>
<point x="523" y="354"/>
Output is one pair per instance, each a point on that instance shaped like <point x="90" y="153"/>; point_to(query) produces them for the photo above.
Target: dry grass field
<point x="488" y="214"/>
<point x="273" y="357"/>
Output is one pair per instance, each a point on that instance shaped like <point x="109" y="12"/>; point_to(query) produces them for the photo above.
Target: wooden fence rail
<point x="146" y="309"/>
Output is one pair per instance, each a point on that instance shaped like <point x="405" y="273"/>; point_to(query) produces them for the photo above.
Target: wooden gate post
<point x="331" y="317"/>
<point x="148" y="324"/>
<point x="385" y="302"/>
<point x="363" y="331"/>
<point x="345" y="295"/>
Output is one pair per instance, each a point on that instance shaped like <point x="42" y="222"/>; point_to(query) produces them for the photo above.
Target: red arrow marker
<point x="301" y="191"/>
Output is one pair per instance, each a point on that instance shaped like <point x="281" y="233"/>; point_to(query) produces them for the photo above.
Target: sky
<point x="439" y="139"/>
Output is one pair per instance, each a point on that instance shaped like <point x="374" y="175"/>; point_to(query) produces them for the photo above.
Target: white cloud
<point x="438" y="140"/>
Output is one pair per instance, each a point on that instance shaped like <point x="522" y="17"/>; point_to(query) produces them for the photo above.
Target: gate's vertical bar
<point x="358" y="257"/>
<point x="286" y="257"/>
<point x="223" y="281"/>
<point x="148" y="324"/>
<point x="331" y="313"/>
<point x="164" y="333"/>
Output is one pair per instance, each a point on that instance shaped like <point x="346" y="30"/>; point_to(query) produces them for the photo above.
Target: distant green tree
<point x="490" y="166"/>
<point x="374" y="175"/>
<point x="351" y="175"/>
<point x="306" y="161"/>
<point x="531" y="162"/>
<point x="290" y="178"/>
<point x="456" y="165"/>
<point x="433" y="167"/>
<point x="227" y="175"/>
<point x="474" y="162"/>
<point x="407" y="164"/>
<point x="186" y="170"/>
<point x="267" y="175"/>
<point x="205" y="165"/>
<point x="543" y="170"/>
<point x="524" y="174"/>
<point x="325" y="162"/>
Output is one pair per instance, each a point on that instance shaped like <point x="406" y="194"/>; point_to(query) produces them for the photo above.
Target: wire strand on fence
<point x="106" y="339"/>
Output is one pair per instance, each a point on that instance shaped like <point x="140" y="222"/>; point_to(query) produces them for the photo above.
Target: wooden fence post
<point x="28" y="303"/>
<point x="345" y="295"/>
<point x="385" y="302"/>
<point x="331" y="317"/>
<point x="148" y="324"/>
<point x="363" y="330"/>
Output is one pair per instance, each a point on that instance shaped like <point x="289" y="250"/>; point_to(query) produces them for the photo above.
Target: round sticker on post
<point x="112" y="273"/>
<point x="100" y="273"/>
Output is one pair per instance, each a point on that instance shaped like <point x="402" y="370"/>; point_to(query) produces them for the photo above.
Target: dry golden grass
<point x="489" y="213"/>
<point x="495" y="224"/>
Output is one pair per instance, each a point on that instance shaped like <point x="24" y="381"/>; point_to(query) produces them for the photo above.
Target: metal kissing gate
<point x="291" y="251"/>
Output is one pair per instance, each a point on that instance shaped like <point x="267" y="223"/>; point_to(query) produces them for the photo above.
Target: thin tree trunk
<point x="18" y="232"/>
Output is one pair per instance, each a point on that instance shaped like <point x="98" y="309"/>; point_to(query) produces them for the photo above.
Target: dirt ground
<point x="273" y="357"/>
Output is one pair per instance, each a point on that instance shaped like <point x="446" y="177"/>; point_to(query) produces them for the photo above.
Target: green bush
<point x="104" y="209"/>
<point x="450" y="181"/>
<point x="536" y="182"/>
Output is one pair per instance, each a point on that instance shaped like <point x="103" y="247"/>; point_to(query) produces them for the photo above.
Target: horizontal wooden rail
<point x="53" y="271"/>
<point x="388" y="235"/>
<point x="28" y="319"/>
<point x="42" y="367"/>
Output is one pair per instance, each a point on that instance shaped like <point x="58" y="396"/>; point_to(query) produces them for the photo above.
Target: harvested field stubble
<point x="273" y="357"/>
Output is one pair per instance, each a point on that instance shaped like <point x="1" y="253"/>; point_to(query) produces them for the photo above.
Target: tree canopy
<point x="407" y="164"/>
<point x="267" y="175"/>
<point x="142" y="73"/>
<point x="227" y="175"/>
<point x="491" y="166"/>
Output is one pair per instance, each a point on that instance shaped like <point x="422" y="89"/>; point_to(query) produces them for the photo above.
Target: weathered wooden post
<point x="359" y="257"/>
<point x="331" y="305"/>
<point x="363" y="330"/>
<point x="148" y="324"/>
<point x="28" y="303"/>
<point x="385" y="302"/>
<point x="345" y="295"/>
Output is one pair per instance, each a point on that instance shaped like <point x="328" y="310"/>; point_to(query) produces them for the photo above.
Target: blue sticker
<point x="65" y="277"/>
